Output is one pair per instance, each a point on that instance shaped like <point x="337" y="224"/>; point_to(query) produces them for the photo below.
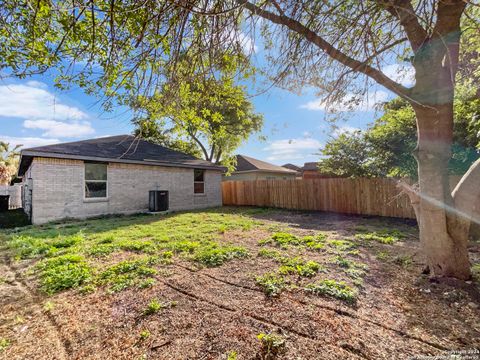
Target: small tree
<point x="8" y="162"/>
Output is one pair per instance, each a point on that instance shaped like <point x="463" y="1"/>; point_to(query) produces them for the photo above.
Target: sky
<point x="34" y="113"/>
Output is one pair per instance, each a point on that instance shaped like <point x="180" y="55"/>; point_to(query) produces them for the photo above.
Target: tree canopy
<point x="9" y="158"/>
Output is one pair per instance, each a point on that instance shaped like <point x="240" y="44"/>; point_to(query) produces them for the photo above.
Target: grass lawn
<point x="227" y="283"/>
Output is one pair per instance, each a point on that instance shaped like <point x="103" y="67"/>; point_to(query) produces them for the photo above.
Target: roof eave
<point x="29" y="153"/>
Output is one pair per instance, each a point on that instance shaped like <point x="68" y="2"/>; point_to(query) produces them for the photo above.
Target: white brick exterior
<point x="58" y="189"/>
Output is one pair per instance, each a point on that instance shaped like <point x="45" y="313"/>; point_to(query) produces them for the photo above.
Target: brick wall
<point x="58" y="189"/>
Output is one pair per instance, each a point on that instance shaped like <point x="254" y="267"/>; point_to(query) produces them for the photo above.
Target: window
<point x="95" y="180"/>
<point x="199" y="181"/>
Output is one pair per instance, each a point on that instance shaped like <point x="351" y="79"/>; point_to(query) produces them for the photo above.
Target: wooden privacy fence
<point x="362" y="196"/>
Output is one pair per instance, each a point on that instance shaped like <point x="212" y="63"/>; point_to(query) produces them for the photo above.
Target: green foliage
<point x="128" y="273"/>
<point x="4" y="344"/>
<point x="216" y="256"/>
<point x="64" y="272"/>
<point x="144" y="334"/>
<point x="272" y="345"/>
<point x="153" y="307"/>
<point x="385" y="148"/>
<point x="384" y="236"/>
<point x="299" y="266"/>
<point x="284" y="240"/>
<point x="271" y="283"/>
<point x="347" y="155"/>
<point x="232" y="355"/>
<point x="333" y="288"/>
<point x="203" y="115"/>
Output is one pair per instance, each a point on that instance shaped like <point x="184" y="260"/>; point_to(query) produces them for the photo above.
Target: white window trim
<point x="94" y="199"/>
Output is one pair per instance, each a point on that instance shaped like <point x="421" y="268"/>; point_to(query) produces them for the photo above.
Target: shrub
<point x="271" y="283"/>
<point x="336" y="289"/>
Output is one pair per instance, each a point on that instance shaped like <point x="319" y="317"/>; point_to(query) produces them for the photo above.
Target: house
<point x="113" y="175"/>
<point x="248" y="168"/>
<point x="310" y="171"/>
<point x="295" y="168"/>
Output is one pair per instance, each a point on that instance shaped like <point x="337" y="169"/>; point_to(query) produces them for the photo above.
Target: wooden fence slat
<point x="362" y="196"/>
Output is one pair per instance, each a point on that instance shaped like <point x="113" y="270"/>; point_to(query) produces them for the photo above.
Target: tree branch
<point x="333" y="52"/>
<point x="404" y="12"/>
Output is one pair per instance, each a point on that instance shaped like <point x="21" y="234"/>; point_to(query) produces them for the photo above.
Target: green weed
<point x="232" y="355"/>
<point x="216" y="256"/>
<point x="153" y="307"/>
<point x="64" y="272"/>
<point x="4" y="344"/>
<point x="284" y="240"/>
<point x="127" y="273"/>
<point x="300" y="267"/>
<point x="384" y="236"/>
<point x="272" y="345"/>
<point x="144" y="335"/>
<point x="271" y="283"/>
<point x="333" y="288"/>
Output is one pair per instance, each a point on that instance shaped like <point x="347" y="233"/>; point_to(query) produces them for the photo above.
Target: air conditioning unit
<point x="158" y="200"/>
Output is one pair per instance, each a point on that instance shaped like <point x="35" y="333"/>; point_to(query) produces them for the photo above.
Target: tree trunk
<point x="443" y="242"/>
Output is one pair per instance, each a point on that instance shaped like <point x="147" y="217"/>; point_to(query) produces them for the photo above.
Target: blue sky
<point x="33" y="112"/>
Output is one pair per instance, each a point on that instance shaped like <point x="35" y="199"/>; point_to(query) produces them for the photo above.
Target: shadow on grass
<point x="13" y="218"/>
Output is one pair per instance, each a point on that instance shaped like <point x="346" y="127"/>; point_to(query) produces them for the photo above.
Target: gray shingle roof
<point x="120" y="148"/>
<point x="246" y="163"/>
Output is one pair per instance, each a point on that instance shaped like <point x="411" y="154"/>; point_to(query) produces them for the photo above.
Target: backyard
<point x="229" y="283"/>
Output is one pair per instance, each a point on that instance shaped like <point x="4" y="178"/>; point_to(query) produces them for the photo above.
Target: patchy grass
<point x="112" y="285"/>
<point x="64" y="272"/>
<point x="336" y="289"/>
<point x="216" y="256"/>
<point x="384" y="236"/>
<point x="284" y="240"/>
<point x="128" y="273"/>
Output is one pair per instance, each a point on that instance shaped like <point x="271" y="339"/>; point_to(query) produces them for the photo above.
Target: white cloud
<point x="350" y="102"/>
<point x="42" y="110"/>
<point x="292" y="149"/>
<point x="34" y="101"/>
<point x="307" y="134"/>
<point x="60" y="129"/>
<point x="401" y="73"/>
<point x="28" y="142"/>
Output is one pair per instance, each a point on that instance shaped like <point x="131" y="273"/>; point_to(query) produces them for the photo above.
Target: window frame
<point x="199" y="182"/>
<point x="85" y="181"/>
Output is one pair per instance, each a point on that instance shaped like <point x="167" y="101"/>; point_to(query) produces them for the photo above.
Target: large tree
<point x="203" y="114"/>
<point x="331" y="45"/>
<point x="385" y="147"/>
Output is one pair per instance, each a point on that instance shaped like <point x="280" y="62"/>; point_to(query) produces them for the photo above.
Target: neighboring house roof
<point x="310" y="166"/>
<point x="246" y="163"/>
<point x="120" y="148"/>
<point x="292" y="167"/>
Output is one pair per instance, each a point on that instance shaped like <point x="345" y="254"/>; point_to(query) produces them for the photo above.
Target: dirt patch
<point x="215" y="312"/>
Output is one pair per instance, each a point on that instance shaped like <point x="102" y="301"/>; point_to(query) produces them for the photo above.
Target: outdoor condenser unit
<point x="158" y="200"/>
